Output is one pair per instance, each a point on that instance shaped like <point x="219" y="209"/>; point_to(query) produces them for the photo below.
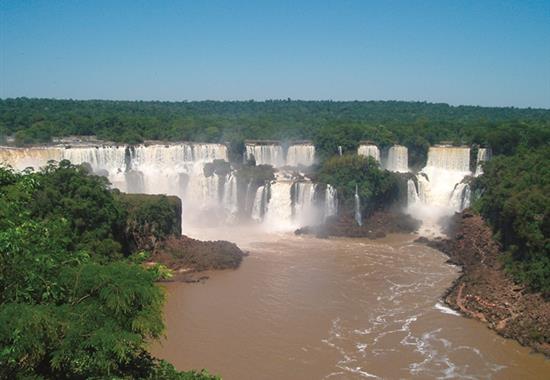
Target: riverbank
<point x="154" y="225"/>
<point x="485" y="292"/>
<point x="186" y="257"/>
<point x="377" y="225"/>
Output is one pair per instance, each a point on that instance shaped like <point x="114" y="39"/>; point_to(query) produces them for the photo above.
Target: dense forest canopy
<point x="60" y="226"/>
<point x="516" y="202"/>
<point x="328" y="123"/>
<point x="74" y="302"/>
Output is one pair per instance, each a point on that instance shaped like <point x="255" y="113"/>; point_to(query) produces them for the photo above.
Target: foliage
<point x="68" y="310"/>
<point x="516" y="202"/>
<point x="94" y="219"/>
<point x="376" y="187"/>
<point x="150" y="219"/>
<point x="330" y="124"/>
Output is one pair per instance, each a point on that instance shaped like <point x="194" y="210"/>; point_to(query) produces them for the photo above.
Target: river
<point x="307" y="308"/>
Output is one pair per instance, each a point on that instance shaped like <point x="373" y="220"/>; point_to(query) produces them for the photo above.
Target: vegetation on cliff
<point x="377" y="188"/>
<point x="150" y="219"/>
<point x="515" y="200"/>
<point x="72" y="304"/>
<point x="485" y="292"/>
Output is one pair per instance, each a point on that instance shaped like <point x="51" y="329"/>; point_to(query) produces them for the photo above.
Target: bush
<point x="377" y="188"/>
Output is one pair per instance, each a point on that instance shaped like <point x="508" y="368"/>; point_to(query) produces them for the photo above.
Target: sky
<point x="489" y="53"/>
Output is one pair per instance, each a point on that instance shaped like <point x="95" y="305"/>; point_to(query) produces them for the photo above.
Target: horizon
<point x="489" y="54"/>
<point x="273" y="100"/>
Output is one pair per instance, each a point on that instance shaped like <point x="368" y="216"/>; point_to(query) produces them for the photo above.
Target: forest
<point x="75" y="301"/>
<point x="328" y="123"/>
<point x="68" y="267"/>
<point x="515" y="200"/>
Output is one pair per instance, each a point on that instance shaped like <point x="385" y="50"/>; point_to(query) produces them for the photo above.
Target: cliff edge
<point x="485" y="292"/>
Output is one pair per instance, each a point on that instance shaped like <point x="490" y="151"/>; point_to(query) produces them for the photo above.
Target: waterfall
<point x="248" y="198"/>
<point x="266" y="154"/>
<point x="412" y="194"/>
<point x="483" y="154"/>
<point x="339" y="150"/>
<point x="460" y="197"/>
<point x="305" y="211"/>
<point x="446" y="167"/>
<point x="279" y="208"/>
<point x="369" y="150"/>
<point x="260" y="202"/>
<point x="397" y="159"/>
<point x="163" y="167"/>
<point x="230" y="196"/>
<point x="300" y="154"/>
<point x="172" y="169"/>
<point x="178" y="169"/>
<point x="449" y="158"/>
<point x="441" y="190"/>
<point x="358" y="217"/>
<point x="331" y="202"/>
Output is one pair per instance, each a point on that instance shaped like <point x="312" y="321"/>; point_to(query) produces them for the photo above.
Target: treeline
<point x="516" y="201"/>
<point x="75" y="301"/>
<point x="329" y="123"/>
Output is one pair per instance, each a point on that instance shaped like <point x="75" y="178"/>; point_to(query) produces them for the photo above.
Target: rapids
<point x="307" y="308"/>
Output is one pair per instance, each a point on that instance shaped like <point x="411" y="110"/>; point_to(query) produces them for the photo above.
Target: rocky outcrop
<point x="150" y="219"/>
<point x="377" y="225"/>
<point x="154" y="225"/>
<point x="183" y="254"/>
<point x="485" y="292"/>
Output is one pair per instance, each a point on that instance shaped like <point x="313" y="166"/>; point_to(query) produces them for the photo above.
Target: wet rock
<point x="376" y="226"/>
<point x="485" y="292"/>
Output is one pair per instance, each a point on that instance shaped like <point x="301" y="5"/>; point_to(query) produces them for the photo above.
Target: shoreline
<point x="484" y="292"/>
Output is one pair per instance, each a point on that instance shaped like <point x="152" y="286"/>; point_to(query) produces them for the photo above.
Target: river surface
<point x="306" y="308"/>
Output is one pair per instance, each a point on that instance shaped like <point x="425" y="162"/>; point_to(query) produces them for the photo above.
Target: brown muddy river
<point x="305" y="308"/>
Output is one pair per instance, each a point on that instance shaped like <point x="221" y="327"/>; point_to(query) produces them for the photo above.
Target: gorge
<point x="337" y="308"/>
<point x="287" y="201"/>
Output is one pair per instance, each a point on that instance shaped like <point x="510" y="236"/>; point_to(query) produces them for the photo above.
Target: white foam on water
<point x="445" y="309"/>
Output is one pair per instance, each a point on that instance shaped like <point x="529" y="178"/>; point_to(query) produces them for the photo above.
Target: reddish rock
<point x="485" y="292"/>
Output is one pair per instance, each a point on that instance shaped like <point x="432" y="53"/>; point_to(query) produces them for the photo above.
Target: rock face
<point x="485" y="292"/>
<point x="377" y="225"/>
<point x="154" y="225"/>
<point x="184" y="254"/>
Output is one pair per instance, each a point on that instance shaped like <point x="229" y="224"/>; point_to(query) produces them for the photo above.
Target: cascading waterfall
<point x="483" y="154"/>
<point x="272" y="154"/>
<point x="369" y="150"/>
<point x="260" y="204"/>
<point x="300" y="154"/>
<point x="460" y="197"/>
<point x="174" y="169"/>
<point x="397" y="159"/>
<point x="358" y="217"/>
<point x="339" y="150"/>
<point x="279" y="208"/>
<point x="22" y="158"/>
<point x="441" y="190"/>
<point x="412" y="194"/>
<point x="266" y="154"/>
<point x="331" y="202"/>
<point x="178" y="169"/>
<point x="304" y="209"/>
<point x="230" y="196"/>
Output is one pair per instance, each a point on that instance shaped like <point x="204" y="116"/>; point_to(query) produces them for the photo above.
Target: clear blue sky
<point x="459" y="52"/>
